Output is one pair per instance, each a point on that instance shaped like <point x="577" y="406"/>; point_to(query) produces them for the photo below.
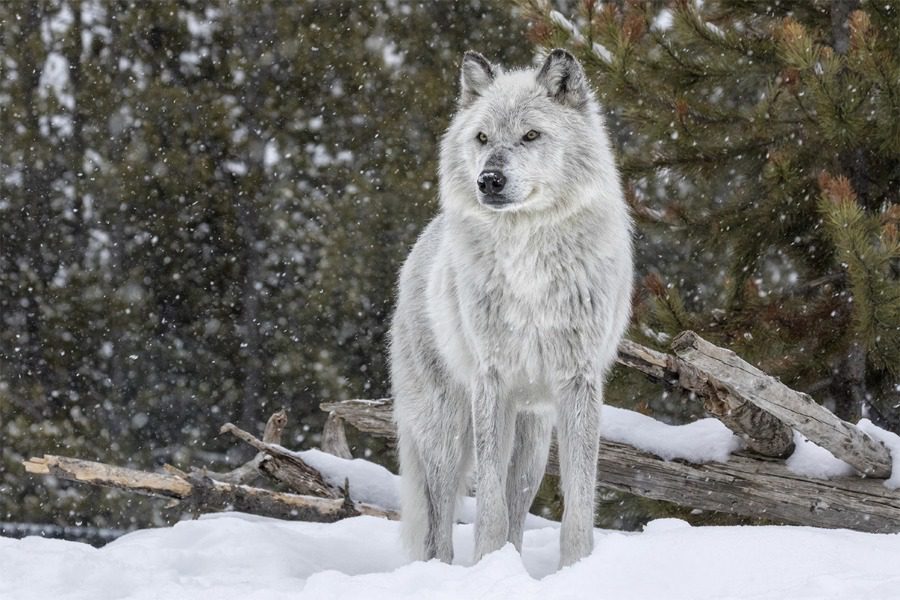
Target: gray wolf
<point x="510" y="308"/>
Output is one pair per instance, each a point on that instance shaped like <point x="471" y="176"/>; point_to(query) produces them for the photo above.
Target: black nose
<point x="491" y="182"/>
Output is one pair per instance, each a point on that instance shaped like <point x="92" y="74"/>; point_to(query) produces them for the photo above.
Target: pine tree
<point x="203" y="207"/>
<point x="760" y="142"/>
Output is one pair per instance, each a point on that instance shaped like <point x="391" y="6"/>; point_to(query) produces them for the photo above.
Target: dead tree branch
<point x="285" y="466"/>
<point x="250" y="471"/>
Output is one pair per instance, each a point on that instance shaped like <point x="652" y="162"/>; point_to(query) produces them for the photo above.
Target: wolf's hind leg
<point x="526" y="469"/>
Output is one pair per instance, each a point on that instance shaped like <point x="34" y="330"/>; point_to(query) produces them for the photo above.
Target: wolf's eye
<point x="481" y="137"/>
<point x="531" y="136"/>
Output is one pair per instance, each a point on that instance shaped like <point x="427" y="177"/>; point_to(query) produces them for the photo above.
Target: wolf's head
<point x="524" y="141"/>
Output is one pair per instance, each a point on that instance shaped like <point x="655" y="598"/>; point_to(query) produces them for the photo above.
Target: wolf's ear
<point x="564" y="79"/>
<point x="475" y="75"/>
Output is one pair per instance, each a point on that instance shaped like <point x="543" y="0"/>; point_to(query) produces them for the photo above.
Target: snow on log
<point x="761" y="488"/>
<point x="762" y="432"/>
<point x="733" y="378"/>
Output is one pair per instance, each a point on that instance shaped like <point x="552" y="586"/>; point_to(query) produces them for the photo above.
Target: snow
<point x="373" y="484"/>
<point x="233" y="556"/>
<point x="369" y="483"/>
<point x="811" y="460"/>
<point x="705" y="440"/>
<point x="663" y="21"/>
<point x="892" y="442"/>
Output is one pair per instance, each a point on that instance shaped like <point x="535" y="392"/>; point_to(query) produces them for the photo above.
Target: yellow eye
<point x="531" y="136"/>
<point x="482" y="137"/>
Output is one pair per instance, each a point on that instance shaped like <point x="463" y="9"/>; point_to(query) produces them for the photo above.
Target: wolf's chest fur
<point x="525" y="303"/>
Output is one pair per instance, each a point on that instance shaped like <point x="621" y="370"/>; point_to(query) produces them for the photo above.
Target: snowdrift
<point x="232" y="556"/>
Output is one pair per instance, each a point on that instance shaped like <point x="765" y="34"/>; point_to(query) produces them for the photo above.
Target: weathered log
<point x="651" y="362"/>
<point x="371" y="416"/>
<point x="250" y="471"/>
<point x="199" y="493"/>
<point x="743" y="486"/>
<point x="733" y="377"/>
<point x="334" y="437"/>
<point x="750" y="487"/>
<point x="164" y="485"/>
<point x="761" y="432"/>
<point x="286" y="467"/>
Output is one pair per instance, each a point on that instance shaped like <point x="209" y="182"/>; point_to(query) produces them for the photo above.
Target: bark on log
<point x="283" y="465"/>
<point x="250" y="471"/>
<point x="334" y="437"/>
<point x="199" y="493"/>
<point x="727" y="372"/>
<point x="371" y="416"/>
<point x="742" y="486"/>
<point x="761" y="432"/>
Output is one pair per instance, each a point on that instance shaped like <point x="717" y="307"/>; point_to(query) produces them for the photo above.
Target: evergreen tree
<point x="203" y="207"/>
<point x="760" y="142"/>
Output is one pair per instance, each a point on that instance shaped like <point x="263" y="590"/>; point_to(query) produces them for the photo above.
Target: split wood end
<point x="40" y="466"/>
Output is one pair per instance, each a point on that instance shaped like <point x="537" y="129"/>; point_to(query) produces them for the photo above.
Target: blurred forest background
<point x="204" y="205"/>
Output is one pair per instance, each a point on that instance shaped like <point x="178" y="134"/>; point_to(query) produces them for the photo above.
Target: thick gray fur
<point x="509" y="315"/>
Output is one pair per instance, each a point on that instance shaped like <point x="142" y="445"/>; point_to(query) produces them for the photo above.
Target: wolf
<point x="510" y="308"/>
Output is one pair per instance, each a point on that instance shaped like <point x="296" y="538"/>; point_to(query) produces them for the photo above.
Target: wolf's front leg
<point x="493" y="421"/>
<point x="578" y="431"/>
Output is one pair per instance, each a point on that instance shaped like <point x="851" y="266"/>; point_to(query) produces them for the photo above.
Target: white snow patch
<point x="602" y="52"/>
<point x="663" y="20"/>
<point x="390" y="54"/>
<point x="373" y="484"/>
<point x="811" y="460"/>
<point x="235" y="167"/>
<point x="271" y="156"/>
<point x="705" y="440"/>
<point x="369" y="482"/>
<point x="233" y="556"/>
<point x="55" y="78"/>
<point x="892" y="442"/>
<point x="664" y="525"/>
<point x="201" y="26"/>
<point x="714" y="29"/>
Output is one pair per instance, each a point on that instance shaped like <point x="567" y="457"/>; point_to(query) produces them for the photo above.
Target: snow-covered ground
<point x="240" y="557"/>
<point x="234" y="556"/>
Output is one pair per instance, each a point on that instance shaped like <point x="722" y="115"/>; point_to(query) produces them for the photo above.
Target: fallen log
<point x="204" y="494"/>
<point x="733" y="378"/>
<point x="334" y="437"/>
<point x="250" y="471"/>
<point x="284" y="466"/>
<point x="761" y="432"/>
<point x="744" y="485"/>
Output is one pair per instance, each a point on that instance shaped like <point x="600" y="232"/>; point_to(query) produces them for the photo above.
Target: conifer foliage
<point x="760" y="143"/>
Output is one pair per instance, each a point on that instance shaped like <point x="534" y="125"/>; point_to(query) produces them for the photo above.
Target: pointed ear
<point x="564" y="79"/>
<point x="475" y="75"/>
